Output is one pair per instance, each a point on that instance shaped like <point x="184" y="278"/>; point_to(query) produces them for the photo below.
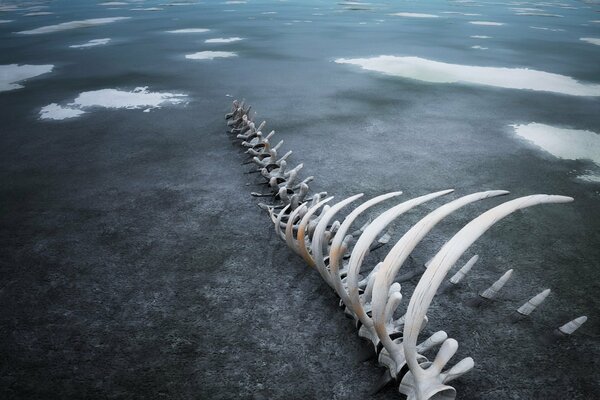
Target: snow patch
<point x="414" y="15"/>
<point x="138" y="98"/>
<point x="224" y="40"/>
<point x="12" y="73"/>
<point x="568" y="144"/>
<point x="439" y="72"/>
<point x="210" y="55"/>
<point x="91" y="43"/>
<point x="72" y="25"/>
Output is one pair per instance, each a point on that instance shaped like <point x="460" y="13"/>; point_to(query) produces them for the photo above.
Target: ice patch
<point x="541" y="28"/>
<point x="12" y="73"/>
<point x="72" y="25"/>
<point x="5" y="21"/>
<point x="224" y="40"/>
<point x="189" y="30"/>
<point x="440" y="72"/>
<point x="486" y="23"/>
<point x="414" y="15"/>
<point x="138" y="98"/>
<point x="481" y="37"/>
<point x="147" y="9"/>
<point x="479" y="47"/>
<point x="534" y="14"/>
<point x="569" y="144"/>
<point x="56" y="112"/>
<point x="35" y="14"/>
<point x="461" y="13"/>
<point x="210" y="55"/>
<point x="595" y="41"/>
<point x="91" y="43"/>
<point x="113" y="3"/>
<point x="589" y="178"/>
<point x="235" y="2"/>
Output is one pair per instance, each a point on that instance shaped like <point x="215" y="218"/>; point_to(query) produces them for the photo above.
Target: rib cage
<point x="309" y="228"/>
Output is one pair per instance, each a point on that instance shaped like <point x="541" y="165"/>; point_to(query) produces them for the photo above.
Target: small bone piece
<point x="464" y="270"/>
<point x="533" y="303"/>
<point x="491" y="292"/>
<point x="573" y="325"/>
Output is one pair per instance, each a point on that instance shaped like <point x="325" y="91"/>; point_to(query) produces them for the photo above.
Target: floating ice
<point x="5" y="21"/>
<point x="35" y="14"/>
<point x="56" y="112"/>
<point x="138" y="98"/>
<point x="72" y="25"/>
<point x="541" y="28"/>
<point x="210" y="55"/>
<point x="461" y="13"/>
<point x="440" y="72"/>
<point x="589" y="178"/>
<point x="595" y="41"/>
<point x="414" y="15"/>
<point x="481" y="37"/>
<point x="147" y="9"/>
<point x="235" y="2"/>
<point x="479" y="47"/>
<point x="486" y="23"/>
<point x="189" y="30"/>
<point x="12" y="73"/>
<point x="113" y="3"/>
<point x="91" y="43"/>
<point x="539" y="14"/>
<point x="570" y="144"/>
<point x="223" y="40"/>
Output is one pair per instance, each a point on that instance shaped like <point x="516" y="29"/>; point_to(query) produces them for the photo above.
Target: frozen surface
<point x="136" y="265"/>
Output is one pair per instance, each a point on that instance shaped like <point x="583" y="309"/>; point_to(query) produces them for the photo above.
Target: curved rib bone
<point x="396" y="258"/>
<point x="300" y="244"/>
<point x="427" y="381"/>
<point x="361" y="249"/>
<point x="318" y="236"/>
<point x="336" y="253"/>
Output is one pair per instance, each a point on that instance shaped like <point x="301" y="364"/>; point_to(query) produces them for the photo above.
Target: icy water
<point x="136" y="265"/>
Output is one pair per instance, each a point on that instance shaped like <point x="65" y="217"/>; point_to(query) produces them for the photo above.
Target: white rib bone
<point x="278" y="222"/>
<point x="396" y="258"/>
<point x="427" y="381"/>
<point x="318" y="236"/>
<point x="573" y="325"/>
<point x="533" y="303"/>
<point x="301" y="244"/>
<point x="364" y="242"/>
<point x="336" y="253"/>
<point x="289" y="227"/>
<point x="491" y="292"/>
<point x="459" y="276"/>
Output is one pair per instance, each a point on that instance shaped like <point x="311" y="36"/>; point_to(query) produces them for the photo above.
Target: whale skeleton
<point x="311" y="230"/>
